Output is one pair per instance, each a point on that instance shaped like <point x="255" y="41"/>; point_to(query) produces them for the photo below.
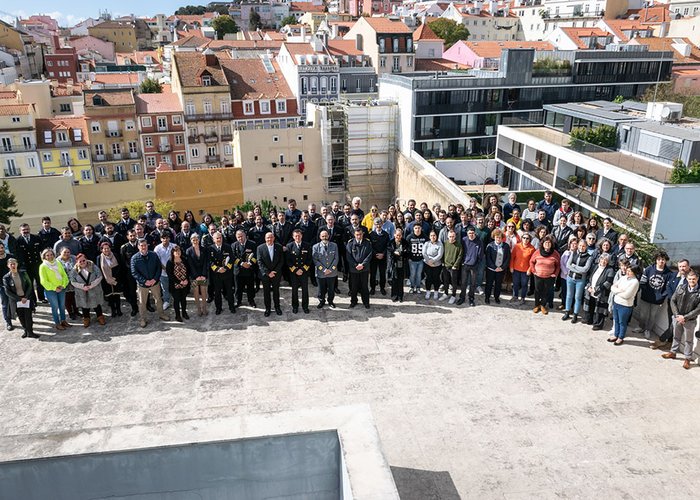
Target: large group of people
<point x="453" y="254"/>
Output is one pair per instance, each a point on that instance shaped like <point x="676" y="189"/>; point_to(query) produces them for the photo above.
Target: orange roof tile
<point x="386" y="25"/>
<point x="343" y="48"/>
<point x="305" y="7"/>
<point x="577" y="35"/>
<point x="664" y="44"/>
<point x="117" y="79"/>
<point x="61" y="123"/>
<point x="157" y="103"/>
<point x="14" y="109"/>
<point x="109" y="98"/>
<point x="248" y="79"/>
<point x="192" y="65"/>
<point x="651" y="15"/>
<point x="8" y="94"/>
<point x="493" y="49"/>
<point x="425" y="33"/>
<point x="438" y="65"/>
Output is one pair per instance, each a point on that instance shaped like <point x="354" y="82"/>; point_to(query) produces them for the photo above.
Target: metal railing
<point x="164" y="148"/>
<point x="212" y="158"/>
<point x="113" y="133"/>
<point x="120" y="176"/>
<point x="13" y="172"/>
<point x="10" y="148"/>
<point x="209" y="116"/>
<point x="211" y="138"/>
<point x="66" y="162"/>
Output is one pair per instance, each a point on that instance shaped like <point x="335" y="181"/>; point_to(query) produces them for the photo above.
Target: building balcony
<point x="164" y="148"/>
<point x="13" y="172"/>
<point x="134" y="155"/>
<point x="114" y="133"/>
<point x="226" y="137"/>
<point x="116" y="157"/>
<point x="17" y="148"/>
<point x="120" y="177"/>
<point x="63" y="144"/>
<point x="208" y="117"/>
<point x="193" y="139"/>
<point x="212" y="158"/>
<point x="531" y="169"/>
<point x="66" y="162"/>
<point x="211" y="138"/>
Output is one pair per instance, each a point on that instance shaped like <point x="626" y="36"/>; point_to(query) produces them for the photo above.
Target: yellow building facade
<point x="18" y="155"/>
<point x="64" y="148"/>
<point x="121" y="34"/>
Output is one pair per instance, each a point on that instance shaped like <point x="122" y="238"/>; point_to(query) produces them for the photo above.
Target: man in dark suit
<point x="244" y="260"/>
<point x="326" y="257"/>
<point x="89" y="242"/>
<point x="336" y="234"/>
<point x="100" y="226"/>
<point x="282" y="229"/>
<point x="270" y="262"/>
<point x="127" y="251"/>
<point x="47" y="234"/>
<point x="112" y="237"/>
<point x="182" y="239"/>
<point x="28" y="251"/>
<point x="221" y="265"/>
<point x="359" y="255"/>
<point x="299" y="262"/>
<point x="126" y="222"/>
<point x="258" y="231"/>
<point x="380" y="243"/>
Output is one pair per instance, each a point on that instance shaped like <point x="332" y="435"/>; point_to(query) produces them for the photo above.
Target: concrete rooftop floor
<point x="487" y="402"/>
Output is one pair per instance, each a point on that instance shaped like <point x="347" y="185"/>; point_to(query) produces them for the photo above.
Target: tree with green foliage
<point x="191" y="10"/>
<point x="265" y="205"/>
<point x="254" y="23"/>
<point x="223" y="25"/>
<point x="450" y="31"/>
<point x="138" y="207"/>
<point x="619" y="99"/>
<point x="8" y="204"/>
<point x="151" y="86"/>
<point x="685" y="174"/>
<point x="290" y="19"/>
<point x="604" y="136"/>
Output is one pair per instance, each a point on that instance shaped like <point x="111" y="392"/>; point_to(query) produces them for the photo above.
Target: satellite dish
<point x="666" y="112"/>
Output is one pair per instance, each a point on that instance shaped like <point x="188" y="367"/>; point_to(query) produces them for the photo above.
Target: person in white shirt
<point x="164" y="251"/>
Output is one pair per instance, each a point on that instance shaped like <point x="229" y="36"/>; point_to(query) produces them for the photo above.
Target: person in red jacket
<point x="544" y="265"/>
<point x="519" y="266"/>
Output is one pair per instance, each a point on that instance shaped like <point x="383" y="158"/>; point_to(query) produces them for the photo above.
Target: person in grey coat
<point x="86" y="278"/>
<point x="685" y="306"/>
<point x="325" y="255"/>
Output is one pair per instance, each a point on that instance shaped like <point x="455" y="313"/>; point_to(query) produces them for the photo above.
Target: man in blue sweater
<point x="146" y="269"/>
<point x="653" y="286"/>
<point x="473" y="257"/>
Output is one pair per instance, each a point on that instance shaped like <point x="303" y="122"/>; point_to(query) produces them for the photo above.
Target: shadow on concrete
<point x="415" y="484"/>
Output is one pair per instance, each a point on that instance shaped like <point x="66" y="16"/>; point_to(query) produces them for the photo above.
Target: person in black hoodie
<point x="579" y="265"/>
<point x="359" y="254"/>
<point x="653" y="285"/>
<point x="598" y="291"/>
<point x="397" y="264"/>
<point x="47" y="234"/>
<point x="497" y="260"/>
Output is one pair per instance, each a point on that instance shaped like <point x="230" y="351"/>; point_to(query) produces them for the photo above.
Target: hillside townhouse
<point x="161" y="126"/>
<point x="388" y="43"/>
<point x="64" y="148"/>
<point x="485" y="20"/>
<point x="18" y="141"/>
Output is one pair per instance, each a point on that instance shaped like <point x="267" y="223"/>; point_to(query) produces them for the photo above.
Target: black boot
<point x="118" y="306"/>
<point x="566" y="316"/>
<point x="574" y="320"/>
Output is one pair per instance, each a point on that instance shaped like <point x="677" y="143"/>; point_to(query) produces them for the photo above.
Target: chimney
<point x="56" y="42"/>
<point x="210" y="57"/>
<point x="358" y="42"/>
<point x="334" y="31"/>
<point x="302" y="33"/>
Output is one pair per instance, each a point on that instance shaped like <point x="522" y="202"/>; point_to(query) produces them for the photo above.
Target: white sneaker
<point x="427" y="295"/>
<point x="479" y="290"/>
<point x="647" y="334"/>
<point x="411" y="290"/>
<point x="452" y="300"/>
<point x="418" y="290"/>
<point x="612" y="331"/>
<point x="443" y="297"/>
<point x="436" y="295"/>
<point x="166" y="305"/>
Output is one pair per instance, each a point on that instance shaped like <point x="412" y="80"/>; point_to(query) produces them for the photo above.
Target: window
<point x="180" y="159"/>
<point x="306" y="197"/>
<point x="177" y="120"/>
<point x="61" y="136"/>
<point x="334" y="84"/>
<point x="129" y="125"/>
<point x="65" y="108"/>
<point x="324" y="84"/>
<point x="248" y="108"/>
<point x="382" y="45"/>
<point x="135" y="168"/>
<point x="47" y="156"/>
<point x="151" y="161"/>
<point x="265" y="107"/>
<point x="189" y="108"/>
<point x="82" y="154"/>
<point x="395" y="45"/>
<point x="194" y="153"/>
<point x="281" y="106"/>
<point x="99" y="149"/>
<point x="304" y="88"/>
<point x="300" y="138"/>
<point x="77" y="135"/>
<point x="206" y="81"/>
<point x="225" y="107"/>
<point x="16" y="119"/>
<point x="179" y="139"/>
<point x="382" y="62"/>
<point x="281" y="159"/>
<point x="409" y="61"/>
<point x="116" y="148"/>
<point x="133" y="148"/>
<point x="48" y="138"/>
<point x="313" y="82"/>
<point x="259" y="180"/>
<point x="146" y="121"/>
<point x="162" y="123"/>
<point x="275" y="138"/>
<point x="30" y="162"/>
<point x="300" y="157"/>
<point x="396" y="65"/>
<point x="207" y="107"/>
<point x="85" y="175"/>
<point x="282" y="180"/>
<point x="148" y="141"/>
<point x="102" y="171"/>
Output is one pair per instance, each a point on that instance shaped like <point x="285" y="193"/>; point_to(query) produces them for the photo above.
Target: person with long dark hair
<point x="112" y="277"/>
<point x="624" y="292"/>
<point x="544" y="266"/>
<point x="397" y="263"/>
<point x="54" y="279"/>
<point x="179" y="282"/>
<point x="20" y="291"/>
<point x="595" y="304"/>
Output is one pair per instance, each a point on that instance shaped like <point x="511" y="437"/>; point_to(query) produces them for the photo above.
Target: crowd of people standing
<point x="453" y="254"/>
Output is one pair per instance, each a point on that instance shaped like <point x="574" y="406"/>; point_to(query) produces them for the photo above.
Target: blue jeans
<point x="165" y="286"/>
<point x="416" y="267"/>
<point x="621" y="316"/>
<point x="480" y="269"/>
<point x="57" y="300"/>
<point x="520" y="280"/>
<point x="574" y="294"/>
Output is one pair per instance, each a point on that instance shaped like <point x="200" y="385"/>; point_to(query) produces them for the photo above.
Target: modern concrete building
<point x="162" y="131"/>
<point x="204" y="92"/>
<point x="277" y="164"/>
<point x="630" y="183"/>
<point x="18" y="141"/>
<point x="113" y="135"/>
<point x="458" y="114"/>
<point x="64" y="148"/>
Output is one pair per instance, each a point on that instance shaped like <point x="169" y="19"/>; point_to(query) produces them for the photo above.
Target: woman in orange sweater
<point x="519" y="265"/>
<point x="544" y="265"/>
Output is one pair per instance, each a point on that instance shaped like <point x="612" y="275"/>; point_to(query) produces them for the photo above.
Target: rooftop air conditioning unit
<point x="664" y="111"/>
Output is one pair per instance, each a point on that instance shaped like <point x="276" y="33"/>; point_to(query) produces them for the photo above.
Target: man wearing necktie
<point x="325" y="256"/>
<point x="299" y="263"/>
<point x="359" y="255"/>
<point x="221" y="265"/>
<point x="28" y="250"/>
<point x="270" y="263"/>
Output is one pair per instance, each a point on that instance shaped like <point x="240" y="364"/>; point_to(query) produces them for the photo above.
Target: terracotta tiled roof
<point x="438" y="65"/>
<point x="425" y="33"/>
<point x="157" y="103"/>
<point x="61" y="90"/>
<point x="191" y="66"/>
<point x="651" y="15"/>
<point x="248" y="79"/>
<point x="300" y="49"/>
<point x="577" y="35"/>
<point x="131" y="79"/>
<point x="8" y="94"/>
<point x="61" y="123"/>
<point x="305" y="7"/>
<point x="191" y="32"/>
<point x="109" y="98"/>
<point x="245" y="44"/>
<point x="386" y="25"/>
<point x="343" y="48"/>
<point x="190" y="40"/>
<point x="14" y="109"/>
<point x="618" y="27"/>
<point x="190" y="19"/>
<point x="139" y="56"/>
<point x="273" y="35"/>
<point x="493" y="49"/>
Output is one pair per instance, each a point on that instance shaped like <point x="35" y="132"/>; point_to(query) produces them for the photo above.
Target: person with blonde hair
<point x="54" y="279"/>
